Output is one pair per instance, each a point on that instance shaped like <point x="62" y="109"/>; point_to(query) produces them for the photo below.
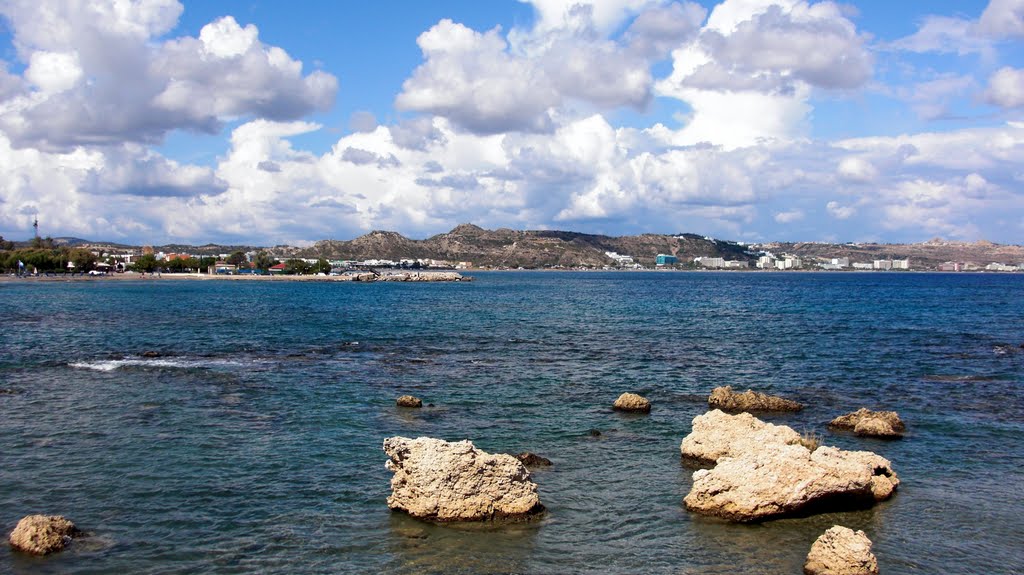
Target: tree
<point x="146" y="263"/>
<point x="5" y="245"/>
<point x="296" y="266"/>
<point x="263" y="260"/>
<point x="83" y="259"/>
<point x="323" y="266"/>
<point x="237" y="258"/>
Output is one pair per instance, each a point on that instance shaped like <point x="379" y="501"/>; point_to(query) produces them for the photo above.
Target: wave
<point x="164" y="363"/>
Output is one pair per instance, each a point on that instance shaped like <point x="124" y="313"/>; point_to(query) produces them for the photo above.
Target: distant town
<point x="468" y="247"/>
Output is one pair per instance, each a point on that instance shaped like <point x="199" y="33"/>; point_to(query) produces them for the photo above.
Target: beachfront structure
<point x="766" y="262"/>
<point x="841" y="262"/>
<point x="1000" y="267"/>
<point x="901" y="264"/>
<point x="882" y="265"/>
<point x="862" y="266"/>
<point x="620" y="259"/>
<point x="665" y="260"/>
<point x="720" y="263"/>
<point x="789" y="262"/>
<point x="222" y="268"/>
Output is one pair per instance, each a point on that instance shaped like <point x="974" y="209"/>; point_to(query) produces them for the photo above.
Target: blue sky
<point x="270" y="122"/>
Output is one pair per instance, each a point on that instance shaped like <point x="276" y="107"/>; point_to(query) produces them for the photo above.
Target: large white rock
<point x="777" y="480"/>
<point x="717" y="434"/>
<point x="841" y="551"/>
<point x="454" y="481"/>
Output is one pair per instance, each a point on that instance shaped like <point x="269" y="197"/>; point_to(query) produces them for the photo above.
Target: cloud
<point x="98" y="74"/>
<point x="857" y="169"/>
<point x="362" y="121"/>
<point x="490" y="83"/>
<point x="839" y="211"/>
<point x="789" y="217"/>
<point x="1003" y="19"/>
<point x="1006" y="88"/>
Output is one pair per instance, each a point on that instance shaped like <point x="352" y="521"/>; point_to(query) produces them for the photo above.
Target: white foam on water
<point x="177" y="363"/>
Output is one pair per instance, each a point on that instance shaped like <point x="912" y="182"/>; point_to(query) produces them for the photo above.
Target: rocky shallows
<point x="445" y="481"/>
<point x="726" y="399"/>
<point x="867" y="423"/>
<point x="841" y="551"/>
<point x="43" y="534"/>
<point x="763" y="472"/>
<point x="631" y="402"/>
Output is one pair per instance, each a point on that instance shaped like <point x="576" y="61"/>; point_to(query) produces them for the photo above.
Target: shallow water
<point x="254" y="443"/>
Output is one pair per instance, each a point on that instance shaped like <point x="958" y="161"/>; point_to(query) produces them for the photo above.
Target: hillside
<point x="925" y="255"/>
<point x="530" y="249"/>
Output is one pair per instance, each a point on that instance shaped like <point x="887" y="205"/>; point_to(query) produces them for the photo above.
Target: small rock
<point x="4" y="391"/>
<point x="726" y="399"/>
<point x="151" y="354"/>
<point x="864" y="422"/>
<point x="632" y="402"/>
<point x="532" y="459"/>
<point x="841" y="551"/>
<point x="439" y="480"/>
<point x="43" y="534"/>
<point x="409" y="401"/>
<point x="430" y="405"/>
<point x="595" y="433"/>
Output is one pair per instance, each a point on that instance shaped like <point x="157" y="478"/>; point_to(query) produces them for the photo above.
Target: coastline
<point x="406" y="277"/>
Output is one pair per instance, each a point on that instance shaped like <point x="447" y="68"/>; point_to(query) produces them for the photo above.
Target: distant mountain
<point x="530" y="249"/>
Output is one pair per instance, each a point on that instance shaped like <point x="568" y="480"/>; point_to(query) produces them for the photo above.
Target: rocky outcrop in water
<point x="726" y="399"/>
<point x="717" y="434"/>
<point x="533" y="460"/>
<point x="864" y="422"/>
<point x="841" y="551"/>
<point x="631" y="402"/>
<point x="777" y="480"/>
<point x="43" y="534"/>
<point x="409" y="401"/>
<point x="454" y="481"/>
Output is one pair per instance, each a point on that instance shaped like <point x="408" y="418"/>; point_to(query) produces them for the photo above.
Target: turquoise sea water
<point x="254" y="444"/>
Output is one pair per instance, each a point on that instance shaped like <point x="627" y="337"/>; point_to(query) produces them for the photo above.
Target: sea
<point x="252" y="444"/>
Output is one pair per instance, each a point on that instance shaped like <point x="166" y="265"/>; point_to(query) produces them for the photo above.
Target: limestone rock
<point x="454" y="481"/>
<point x="533" y="460"/>
<point x="864" y="422"/>
<point x="778" y="480"/>
<point x="409" y="401"/>
<point x="633" y="403"/>
<point x="717" y="434"/>
<point x="841" y="551"/>
<point x="726" y="399"/>
<point x="43" y="534"/>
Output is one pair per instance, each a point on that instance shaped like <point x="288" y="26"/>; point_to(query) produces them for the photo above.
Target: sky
<point x="267" y="122"/>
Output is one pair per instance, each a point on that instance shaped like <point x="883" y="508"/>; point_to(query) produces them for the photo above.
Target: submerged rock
<point x="717" y="434"/>
<point x="594" y="433"/>
<point x="409" y="401"/>
<point x="632" y="402"/>
<point x="454" y="481"/>
<point x="841" y="551"/>
<point x="776" y="480"/>
<point x="726" y="399"/>
<point x="533" y="460"/>
<point x="43" y="534"/>
<point x="151" y="354"/>
<point x="864" y="422"/>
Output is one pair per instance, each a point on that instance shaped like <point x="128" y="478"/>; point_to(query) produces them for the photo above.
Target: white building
<point x="841" y="262"/>
<point x="620" y="259"/>
<point x="862" y="266"/>
<point x="882" y="264"/>
<point x="901" y="264"/>
<point x="765" y="262"/>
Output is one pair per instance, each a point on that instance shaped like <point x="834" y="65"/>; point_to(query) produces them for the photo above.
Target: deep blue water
<point x="254" y="445"/>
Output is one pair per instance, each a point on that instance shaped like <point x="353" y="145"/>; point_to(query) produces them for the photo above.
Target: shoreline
<point x="365" y="277"/>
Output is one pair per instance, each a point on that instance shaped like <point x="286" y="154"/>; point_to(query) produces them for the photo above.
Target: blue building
<point x="665" y="259"/>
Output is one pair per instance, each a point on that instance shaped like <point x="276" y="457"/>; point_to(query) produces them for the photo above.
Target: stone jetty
<point x="444" y="481"/>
